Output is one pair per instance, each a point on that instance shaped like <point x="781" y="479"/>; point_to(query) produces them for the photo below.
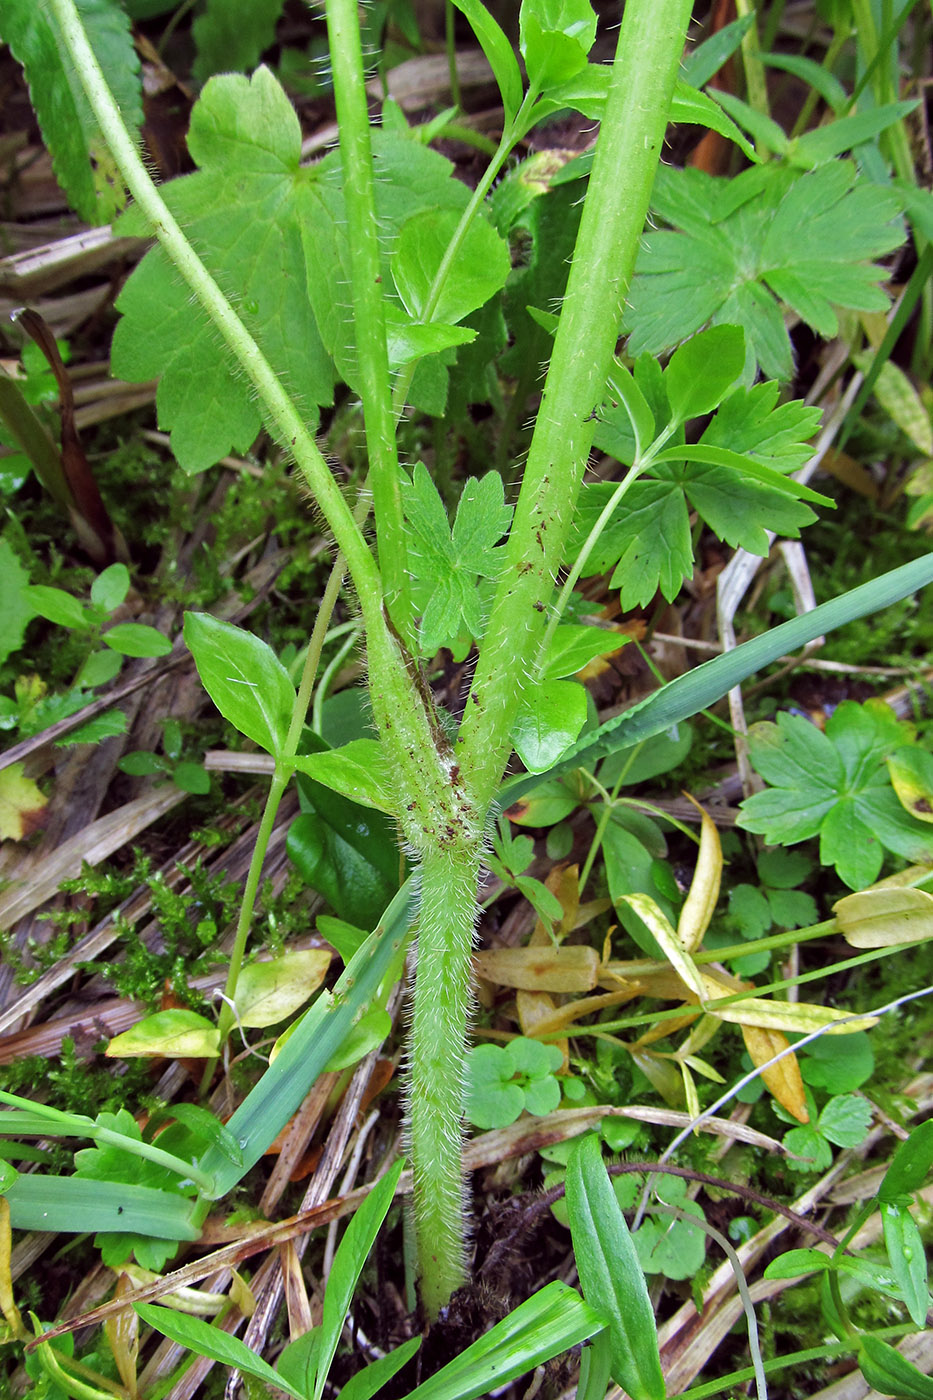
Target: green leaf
<point x="80" y="159"/>
<point x="548" y="721"/>
<point x="498" y="51"/>
<point x="823" y="142"/>
<point x="838" y="1063"/>
<point x="480" y="269"/>
<point x="244" y="678"/>
<point x="846" y="1120"/>
<point x="136" y="639"/>
<point x="610" y="1273"/>
<point x="367" y="1035"/>
<point x="834" y="784"/>
<point x="372" y="1378"/>
<point x="448" y="562"/>
<point x="348" y="1264"/>
<point x="358" y="771"/>
<point x="203" y="1339"/>
<point x="110" y="587"/>
<point x="17" y="609"/>
<point x="735" y="245"/>
<point x="885" y="1369"/>
<point x="232" y="37"/>
<point x="909" y="1166"/>
<point x="703" y="62"/>
<point x="105" y="726"/>
<point x="268" y="992"/>
<point x="546" y="1324"/>
<point x="700" y="372"/>
<point x="55" y="605"/>
<point x="911" y="772"/>
<point x="74" y="1204"/>
<point x="244" y="210"/>
<point x="555" y="37"/>
<point x="575" y="645"/>
<point x="907" y="1256"/>
<point x="694" y="108"/>
<point x="175" y="1034"/>
<point x="809" y="1151"/>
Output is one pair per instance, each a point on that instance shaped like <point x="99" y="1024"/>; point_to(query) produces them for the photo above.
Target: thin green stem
<point x="283" y="416"/>
<point x="631" y="135"/>
<point x="369" y="306"/>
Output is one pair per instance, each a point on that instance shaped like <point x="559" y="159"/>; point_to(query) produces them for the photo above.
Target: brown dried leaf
<point x="22" y="805"/>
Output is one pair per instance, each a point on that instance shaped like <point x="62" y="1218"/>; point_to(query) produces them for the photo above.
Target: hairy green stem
<point x="369" y="306"/>
<point x="650" y="46"/>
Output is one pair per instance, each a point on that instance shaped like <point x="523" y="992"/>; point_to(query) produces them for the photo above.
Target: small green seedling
<point x="503" y="1081"/>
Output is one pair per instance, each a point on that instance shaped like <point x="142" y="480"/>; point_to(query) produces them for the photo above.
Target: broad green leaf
<point x="267" y="992"/>
<point x="244" y="678"/>
<point x="549" y="719"/>
<point x="907" y="1256"/>
<point x="55" y="605"/>
<point x="839" y="1063"/>
<point x="243" y="210"/>
<point x="909" y="1166"/>
<point x="709" y="682"/>
<point x="806" y="239"/>
<point x="630" y="870"/>
<point x="882" y="918"/>
<point x="8" y="1175"/>
<point x="610" y="1274"/>
<point x="834" y="784"/>
<point x="75" y="1204"/>
<point x="358" y="771"/>
<point x="348" y="1263"/>
<point x="230" y="36"/>
<point x="546" y="1324"/>
<point x="701" y="372"/>
<point x="204" y="1340"/>
<point x="887" y="1370"/>
<point x="845" y="1120"/>
<point x="111" y="587"/>
<point x="82" y="165"/>
<point x="809" y="1151"/>
<point x="409" y="340"/>
<point x="498" y="51"/>
<point x="176" y="1034"/>
<point x="691" y="107"/>
<point x="575" y="645"/>
<point x="661" y="754"/>
<point x="17" y="610"/>
<point x="297" y="1361"/>
<point x="367" y="1035"/>
<point x="479" y="271"/>
<point x="136" y="639"/>
<point x="345" y="938"/>
<point x="555" y="37"/>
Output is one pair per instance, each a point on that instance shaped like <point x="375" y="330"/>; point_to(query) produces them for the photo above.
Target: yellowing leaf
<point x="704" y="887"/>
<point x="783" y="1080"/>
<point x="911" y="774"/>
<point x="7" y="1303"/>
<point x="882" y="918"/>
<point x="122" y="1331"/>
<point x="176" y="1034"/>
<point x="21" y="804"/>
<point x="267" y="992"/>
<point x="668" y="941"/>
<point x="900" y="400"/>
<point x="540" y="969"/>
<point x="799" y="1017"/>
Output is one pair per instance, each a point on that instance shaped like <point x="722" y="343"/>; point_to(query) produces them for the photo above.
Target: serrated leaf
<point x="267" y="992"/>
<point x="807" y="239"/>
<point x="447" y="561"/>
<point x="80" y="159"/>
<point x="244" y="678"/>
<point x="835" y="784"/>
<point x="175" y="1034"/>
<point x="230" y="36"/>
<point x="610" y="1273"/>
<point x="22" y="804"/>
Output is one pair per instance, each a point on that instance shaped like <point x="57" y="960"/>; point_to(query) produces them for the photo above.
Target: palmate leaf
<point x="231" y="35"/>
<point x="736" y="245"/>
<point x="835" y="784"/>
<point x="69" y="129"/>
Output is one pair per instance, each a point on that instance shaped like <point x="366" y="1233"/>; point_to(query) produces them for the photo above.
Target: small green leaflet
<point x="449" y="562"/>
<point x="734" y="246"/>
